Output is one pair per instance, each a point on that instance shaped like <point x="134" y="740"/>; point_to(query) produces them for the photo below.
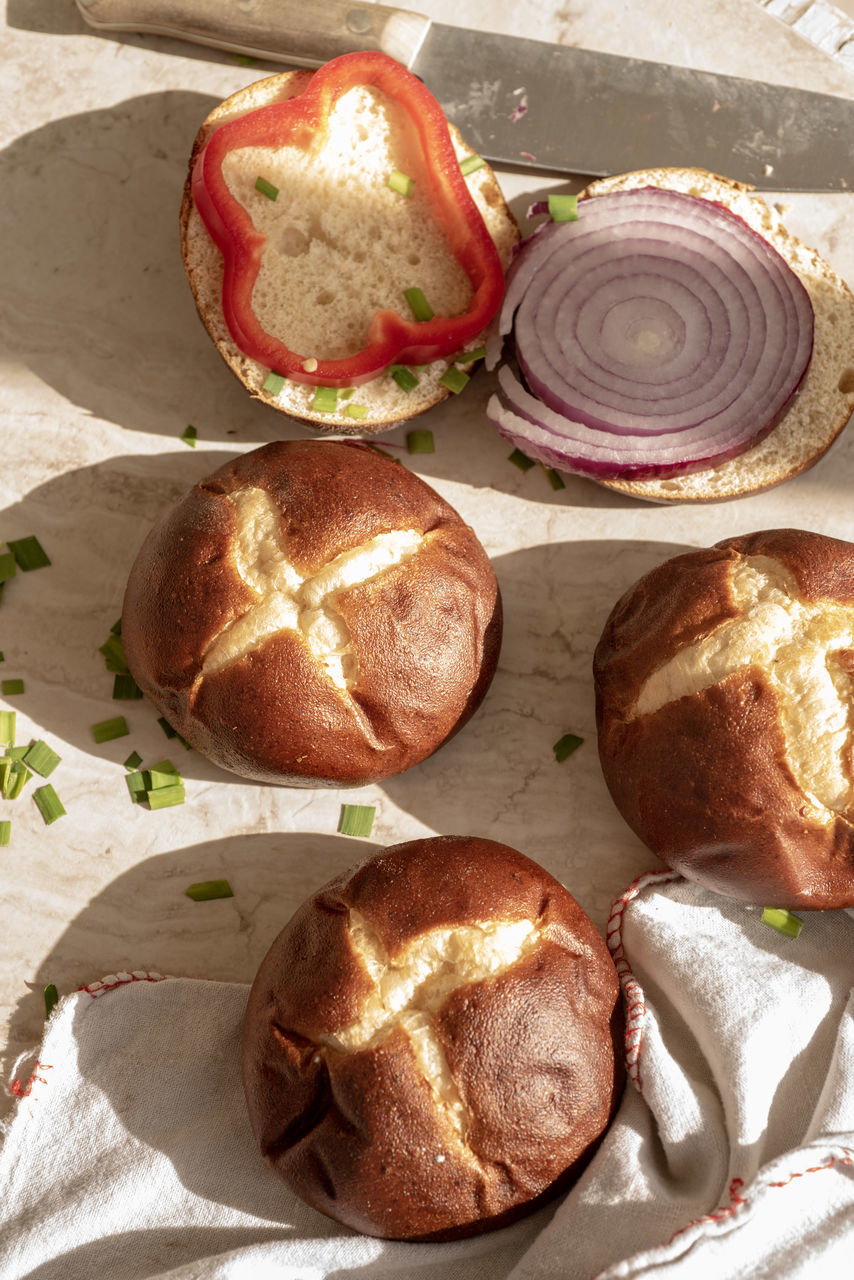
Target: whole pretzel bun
<point x="725" y="713"/>
<point x="313" y="614"/>
<point x="429" y="1045"/>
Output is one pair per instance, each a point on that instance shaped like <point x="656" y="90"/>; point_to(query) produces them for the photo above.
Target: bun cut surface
<point x="313" y="614"/>
<point x="429" y="1045"/>
<point x="725" y="705"/>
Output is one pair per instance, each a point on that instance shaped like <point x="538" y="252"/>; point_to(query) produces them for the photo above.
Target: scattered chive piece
<point x="114" y="653"/>
<point x="5" y="768"/>
<point x="344" y="393"/>
<point x="8" y="565"/>
<point x="7" y="728"/>
<point x="166" y="727"/>
<point x="555" y="479"/>
<point x="5" y="834"/>
<point x="41" y="758"/>
<point x="51" y="999"/>
<point x="116" y="628"/>
<point x="136" y="787"/>
<point x="208" y="890"/>
<point x="125" y="687"/>
<point x="266" y="188"/>
<point x="190" y="436"/>
<point x="29" y="553"/>
<point x="400" y="183"/>
<point x="454" y="379"/>
<point x="418" y="304"/>
<point x="563" y="208"/>
<point x="161" y="775"/>
<point x="325" y="399"/>
<point x="566" y="745"/>
<point x="274" y="382"/>
<point x="133" y="761"/>
<point x="420" y="442"/>
<point x="356" y="411"/>
<point x="783" y="921"/>
<point x="19" y="776"/>
<point x="244" y="60"/>
<point x="356" y="819"/>
<point x="471" y="164"/>
<point x="48" y="803"/>
<point x="404" y="377"/>
<point x="107" y="730"/>
<point x="468" y="357"/>
<point x="521" y="460"/>
<point x="2" y="656"/>
<point x="165" y="797"/>
<point x="10" y="687"/>
<point x="17" y="753"/>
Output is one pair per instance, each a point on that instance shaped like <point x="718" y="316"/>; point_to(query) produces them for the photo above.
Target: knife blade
<point x="528" y="103"/>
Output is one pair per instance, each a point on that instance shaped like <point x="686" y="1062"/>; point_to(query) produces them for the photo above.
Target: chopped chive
<point x="555" y="479"/>
<point x="17" y="753"/>
<point x="471" y="164"/>
<point x="454" y="380"/>
<point x="345" y="393"/>
<point x="190" y="436"/>
<point x="266" y="188"/>
<point x="116" y="628"/>
<point x="11" y="687"/>
<point x="325" y="399"/>
<point x="469" y="357"/>
<point x="19" y="776"/>
<point x="107" y="730"/>
<point x="166" y="727"/>
<point x="114" y="653"/>
<point x="208" y="890"/>
<point x="125" y="687"/>
<point x="8" y="565"/>
<point x="29" y="553"/>
<point x="244" y="60"/>
<point x="160" y="776"/>
<point x="400" y="183"/>
<point x="418" y="304"/>
<point x="404" y="377"/>
<point x="48" y="803"/>
<point x="41" y="758"/>
<point x="136" y="787"/>
<point x="356" y="819"/>
<point x="521" y="460"/>
<point x="51" y="999"/>
<point x="2" y="656"/>
<point x="133" y="761"/>
<point x="565" y="746"/>
<point x="165" y="797"/>
<point x="785" y="922"/>
<point x="7" y="728"/>
<point x="5" y="768"/>
<point x="420" y="442"/>
<point x="5" y="833"/>
<point x="563" y="208"/>
<point x="274" y="382"/>
<point x="356" y="411"/>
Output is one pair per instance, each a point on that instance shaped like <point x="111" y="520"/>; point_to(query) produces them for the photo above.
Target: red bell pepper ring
<point x="391" y="337"/>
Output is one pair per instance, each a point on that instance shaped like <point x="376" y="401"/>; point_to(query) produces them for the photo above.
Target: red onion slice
<point x="660" y="333"/>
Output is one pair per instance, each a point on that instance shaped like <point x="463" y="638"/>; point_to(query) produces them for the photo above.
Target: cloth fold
<point x="732" y="1154"/>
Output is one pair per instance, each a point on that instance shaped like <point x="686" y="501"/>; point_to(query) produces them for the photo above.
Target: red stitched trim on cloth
<point x="24" y="1090"/>
<point x="737" y="1185"/>
<point x="632" y="990"/>
<point x="113" y="980"/>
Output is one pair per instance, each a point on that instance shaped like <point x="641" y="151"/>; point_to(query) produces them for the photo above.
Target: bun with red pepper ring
<point x="315" y="205"/>
<point x="433" y="1044"/>
<point x="313" y="614"/>
<point x="725" y="703"/>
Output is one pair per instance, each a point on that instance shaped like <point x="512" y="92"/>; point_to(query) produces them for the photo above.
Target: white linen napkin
<point x="732" y="1155"/>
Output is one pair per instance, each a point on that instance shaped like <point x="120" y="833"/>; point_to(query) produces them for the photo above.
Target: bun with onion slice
<point x="674" y="342"/>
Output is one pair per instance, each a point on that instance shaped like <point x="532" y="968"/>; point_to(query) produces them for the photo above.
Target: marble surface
<point x="104" y="365"/>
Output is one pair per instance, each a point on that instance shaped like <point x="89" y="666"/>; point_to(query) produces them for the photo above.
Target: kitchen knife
<point x="528" y="103"/>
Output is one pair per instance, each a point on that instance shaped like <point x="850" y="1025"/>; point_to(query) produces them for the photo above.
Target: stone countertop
<point x="105" y="364"/>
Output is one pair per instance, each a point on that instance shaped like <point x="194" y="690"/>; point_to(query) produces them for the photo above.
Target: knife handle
<point x="303" y="32"/>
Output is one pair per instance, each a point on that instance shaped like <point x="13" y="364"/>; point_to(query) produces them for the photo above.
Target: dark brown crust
<point x="704" y="780"/>
<point x="533" y="1051"/>
<point x="427" y="632"/>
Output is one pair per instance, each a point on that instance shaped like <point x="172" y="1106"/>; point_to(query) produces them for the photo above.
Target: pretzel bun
<point x="341" y="245"/>
<point x="429" y="1045"/>
<point x="724" y="705"/>
<point x="313" y="614"/>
